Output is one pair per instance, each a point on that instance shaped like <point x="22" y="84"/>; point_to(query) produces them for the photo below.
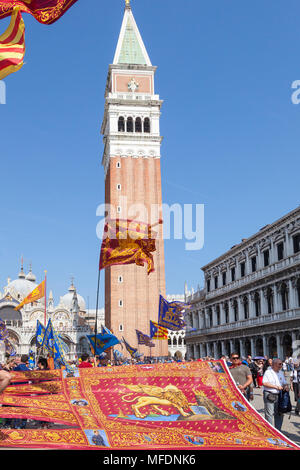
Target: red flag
<point x="127" y="242"/>
<point x="45" y="11"/>
<point x="12" y="46"/>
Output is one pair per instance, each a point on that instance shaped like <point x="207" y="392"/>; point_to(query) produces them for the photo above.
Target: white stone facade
<point x="70" y="318"/>
<point x="251" y="300"/>
<point x="176" y="339"/>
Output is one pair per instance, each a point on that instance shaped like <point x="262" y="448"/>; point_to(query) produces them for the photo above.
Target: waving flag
<point x="132" y="351"/>
<point x="52" y="344"/>
<point x="36" y="294"/>
<point x="103" y="342"/>
<point x="45" y="11"/>
<point x="144" y="339"/>
<point x="40" y="333"/>
<point x="157" y="331"/>
<point x="127" y="242"/>
<point x="180" y="306"/>
<point x="168" y="316"/>
<point x="12" y="46"/>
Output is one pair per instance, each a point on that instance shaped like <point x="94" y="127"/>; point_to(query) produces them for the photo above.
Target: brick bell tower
<point x="131" y="161"/>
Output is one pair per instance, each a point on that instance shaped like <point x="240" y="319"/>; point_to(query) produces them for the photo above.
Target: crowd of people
<point x="276" y="377"/>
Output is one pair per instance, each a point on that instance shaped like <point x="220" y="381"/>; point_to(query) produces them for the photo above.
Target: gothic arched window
<point x="121" y="124"/>
<point x="147" y="125"/>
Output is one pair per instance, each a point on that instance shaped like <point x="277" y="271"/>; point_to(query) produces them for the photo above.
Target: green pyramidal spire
<point x="130" y="49"/>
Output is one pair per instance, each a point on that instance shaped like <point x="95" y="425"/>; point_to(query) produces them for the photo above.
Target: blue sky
<point x="231" y="132"/>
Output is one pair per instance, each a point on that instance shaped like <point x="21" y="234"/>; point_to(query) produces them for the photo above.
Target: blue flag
<point x="170" y="316"/>
<point x="132" y="351"/>
<point x="144" y="339"/>
<point x="40" y="333"/>
<point x="103" y="342"/>
<point x="52" y="343"/>
<point x="31" y="359"/>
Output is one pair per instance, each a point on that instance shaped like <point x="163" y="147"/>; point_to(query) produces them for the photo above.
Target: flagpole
<point x="45" y="314"/>
<point x="96" y="317"/>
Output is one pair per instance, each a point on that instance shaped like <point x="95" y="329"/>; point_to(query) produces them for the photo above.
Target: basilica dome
<point x="67" y="299"/>
<point x="21" y="286"/>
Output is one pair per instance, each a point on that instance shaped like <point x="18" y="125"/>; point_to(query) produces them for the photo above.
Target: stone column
<point x="242" y="347"/>
<point x="279" y="348"/>
<point x="292" y="293"/>
<point x="231" y="346"/>
<point x="253" y="349"/>
<point x="222" y="313"/>
<point x="252" y="313"/>
<point x="265" y="346"/>
<point x="275" y="298"/>
<point x="223" y="351"/>
<point x="288" y="244"/>
<point x="215" y="349"/>
<point x="240" y="308"/>
<point x="231" y="311"/>
<point x="202" y="350"/>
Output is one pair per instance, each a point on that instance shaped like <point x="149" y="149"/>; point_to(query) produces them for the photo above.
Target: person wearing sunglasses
<point x="242" y="376"/>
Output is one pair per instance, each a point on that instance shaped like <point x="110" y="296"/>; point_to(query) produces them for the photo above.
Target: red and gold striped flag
<point x="12" y="46"/>
<point x="157" y="331"/>
<point x="36" y="294"/>
<point x="45" y="11"/>
<point x="127" y="242"/>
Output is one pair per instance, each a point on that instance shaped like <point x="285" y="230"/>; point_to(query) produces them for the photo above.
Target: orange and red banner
<point x="12" y="46"/>
<point x="36" y="294"/>
<point x="179" y="406"/>
<point x="127" y="242"/>
<point x="45" y="11"/>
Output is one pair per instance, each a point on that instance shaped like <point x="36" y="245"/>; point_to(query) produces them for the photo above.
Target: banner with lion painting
<point x="188" y="405"/>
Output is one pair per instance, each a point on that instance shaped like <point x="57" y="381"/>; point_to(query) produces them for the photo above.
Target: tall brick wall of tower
<point x="140" y="180"/>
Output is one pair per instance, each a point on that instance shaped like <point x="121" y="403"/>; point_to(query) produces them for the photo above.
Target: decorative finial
<point x="127" y="3"/>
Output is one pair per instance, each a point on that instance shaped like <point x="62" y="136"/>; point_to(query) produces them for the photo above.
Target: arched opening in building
<point x="226" y="310"/>
<point x="246" y="307"/>
<point x="178" y="355"/>
<point x="129" y="124"/>
<point x="287" y="348"/>
<point x="247" y="347"/>
<point x="10" y="316"/>
<point x="257" y="304"/>
<point x="219" y="350"/>
<point x="121" y="124"/>
<point x="298" y="292"/>
<point x="147" y="125"/>
<point x="270" y="300"/>
<point x="284" y="296"/>
<point x="235" y="310"/>
<point x="259" y="347"/>
<point x="138" y="125"/>
<point x="272" y="347"/>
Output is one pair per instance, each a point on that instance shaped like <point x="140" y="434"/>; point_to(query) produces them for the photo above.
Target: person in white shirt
<point x="273" y="381"/>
